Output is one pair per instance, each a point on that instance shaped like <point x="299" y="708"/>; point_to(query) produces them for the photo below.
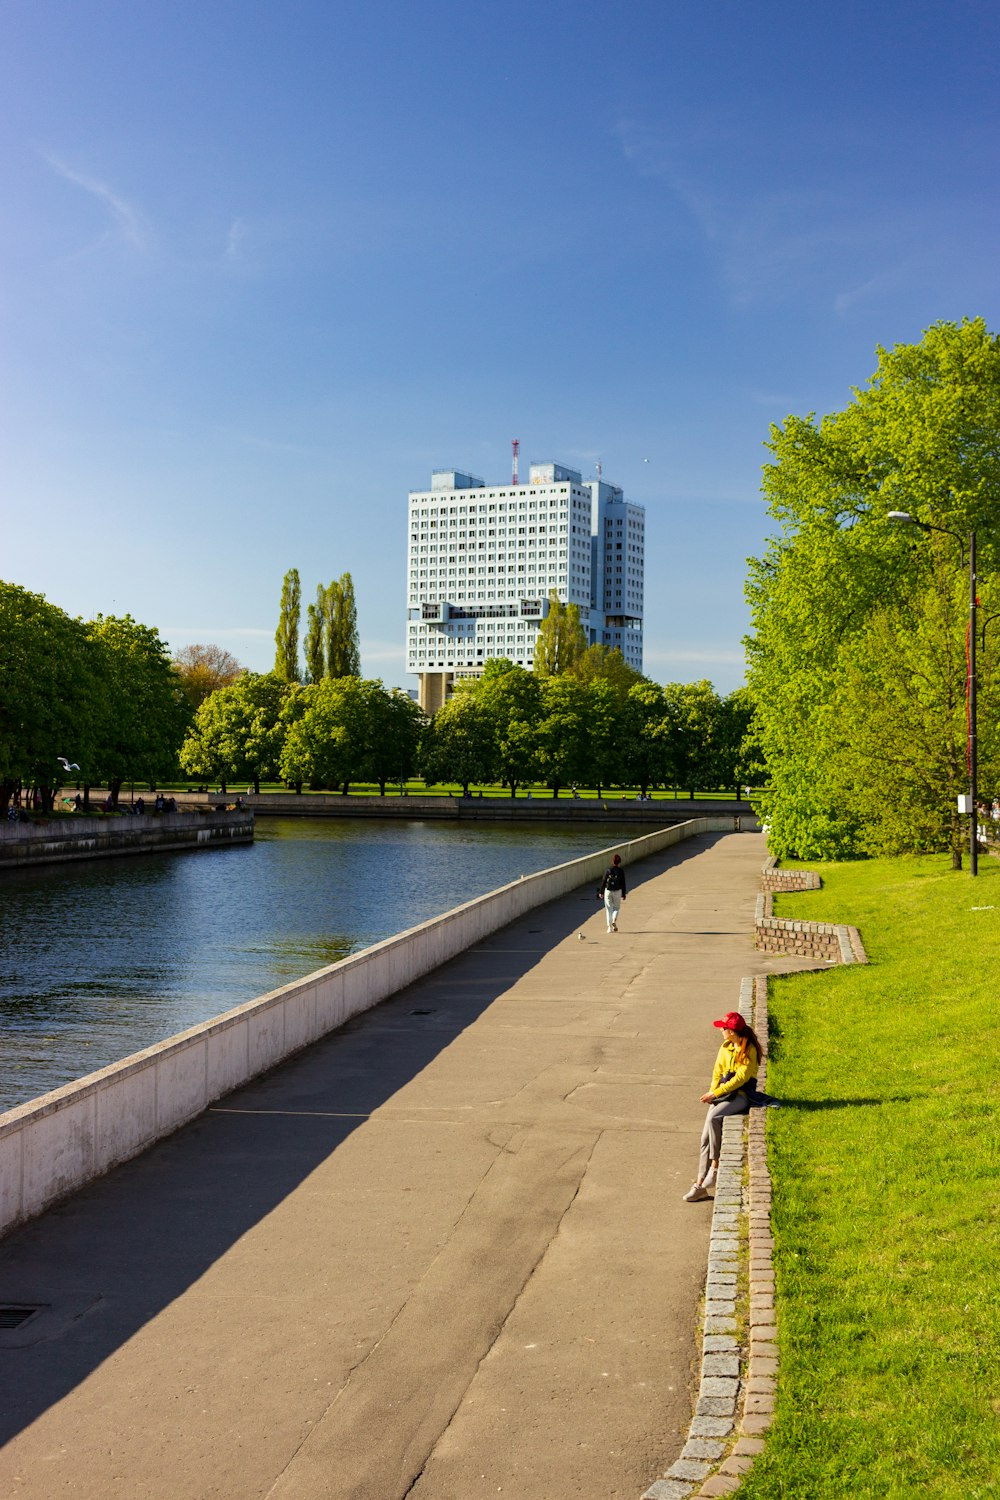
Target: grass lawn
<point x="886" y="1166"/>
<point x="453" y="789"/>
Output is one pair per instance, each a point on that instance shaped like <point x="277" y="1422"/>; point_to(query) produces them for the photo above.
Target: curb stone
<point x="724" y="1364"/>
<point x="732" y="1376"/>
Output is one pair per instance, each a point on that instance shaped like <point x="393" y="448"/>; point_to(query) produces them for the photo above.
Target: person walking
<point x="613" y="889"/>
<point x="734" y="1084"/>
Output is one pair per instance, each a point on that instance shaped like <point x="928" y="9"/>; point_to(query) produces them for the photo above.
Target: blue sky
<point x="263" y="268"/>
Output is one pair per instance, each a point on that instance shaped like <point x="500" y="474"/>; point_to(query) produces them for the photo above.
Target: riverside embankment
<point x="61" y="839"/>
<point x="52" y="1145"/>
<point x="441" y="1252"/>
<point x="536" y="808"/>
<point x="109" y="956"/>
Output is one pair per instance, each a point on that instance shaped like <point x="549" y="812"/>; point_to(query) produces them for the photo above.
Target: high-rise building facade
<point x="482" y="561"/>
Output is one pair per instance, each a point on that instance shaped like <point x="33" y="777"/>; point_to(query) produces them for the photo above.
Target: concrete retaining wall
<point x="93" y="838"/>
<point x="55" y="1144"/>
<point x="537" y="809"/>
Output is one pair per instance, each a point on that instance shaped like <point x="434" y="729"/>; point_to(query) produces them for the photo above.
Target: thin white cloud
<point x="235" y="238"/>
<point x="765" y="245"/>
<point x="392" y="651"/>
<point x="693" y="654"/>
<point x="127" y="223"/>
<point x="874" y="286"/>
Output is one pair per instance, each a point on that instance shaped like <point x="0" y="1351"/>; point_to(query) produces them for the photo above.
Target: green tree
<point x="329" y="743"/>
<point x="561" y="641"/>
<point x="644" y="742"/>
<point x="238" y="732"/>
<point x="511" y="698"/>
<point x="924" y="437"/>
<point x="606" y="664"/>
<point x="609" y="724"/>
<point x="143" y="713"/>
<point x="901" y="703"/>
<point x="286" y="637"/>
<point x="458" y="743"/>
<point x="693" y="711"/>
<point x="343" y="647"/>
<point x="316" y="635"/>
<point x="738" y="761"/>
<point x="49" y="693"/>
<point x="562" y="734"/>
<point x="393" y="734"/>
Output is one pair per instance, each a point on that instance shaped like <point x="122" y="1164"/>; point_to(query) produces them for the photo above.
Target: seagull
<point x="66" y="764"/>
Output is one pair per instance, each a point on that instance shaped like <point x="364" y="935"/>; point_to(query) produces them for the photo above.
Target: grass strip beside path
<point x="886" y="1167"/>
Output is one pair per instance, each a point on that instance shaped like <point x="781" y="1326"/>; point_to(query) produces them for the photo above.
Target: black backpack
<point x="613" y="879"/>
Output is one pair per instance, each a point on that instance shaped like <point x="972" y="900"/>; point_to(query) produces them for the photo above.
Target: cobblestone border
<point x="736" y="1374"/>
<point x="736" y="1390"/>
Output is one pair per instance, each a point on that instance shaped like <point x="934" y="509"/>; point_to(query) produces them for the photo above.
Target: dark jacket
<point x="621" y="886"/>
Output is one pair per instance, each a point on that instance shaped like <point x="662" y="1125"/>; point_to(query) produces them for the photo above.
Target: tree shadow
<point x="104" y="1263"/>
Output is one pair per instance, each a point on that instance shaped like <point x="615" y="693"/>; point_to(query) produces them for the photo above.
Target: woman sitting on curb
<point x="734" y="1084"/>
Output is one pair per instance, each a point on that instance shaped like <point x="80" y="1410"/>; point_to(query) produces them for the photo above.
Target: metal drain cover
<point x="13" y="1316"/>
<point x="421" y="1012"/>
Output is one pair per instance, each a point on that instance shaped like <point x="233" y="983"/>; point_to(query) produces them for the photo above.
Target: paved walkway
<point x="442" y="1254"/>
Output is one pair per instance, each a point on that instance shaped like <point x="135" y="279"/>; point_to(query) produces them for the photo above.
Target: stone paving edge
<point x="746" y="1244"/>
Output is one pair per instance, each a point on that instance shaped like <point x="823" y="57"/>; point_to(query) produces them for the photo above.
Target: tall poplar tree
<point x="286" y="637"/>
<point x="343" y="655"/>
<point x="561" y="641"/>
<point x="317" y="632"/>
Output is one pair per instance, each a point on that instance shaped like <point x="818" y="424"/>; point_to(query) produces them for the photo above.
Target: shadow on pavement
<point x="106" y="1261"/>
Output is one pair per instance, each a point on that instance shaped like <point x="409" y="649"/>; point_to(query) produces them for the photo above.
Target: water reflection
<point x="99" y="960"/>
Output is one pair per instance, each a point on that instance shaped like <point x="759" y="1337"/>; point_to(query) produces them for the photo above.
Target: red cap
<point x="733" y="1022"/>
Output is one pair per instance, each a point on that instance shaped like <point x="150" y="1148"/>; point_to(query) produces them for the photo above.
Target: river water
<point x="101" y="959"/>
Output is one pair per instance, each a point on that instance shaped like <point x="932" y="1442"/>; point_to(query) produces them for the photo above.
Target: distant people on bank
<point x="613" y="890"/>
<point x="140" y="805"/>
<point x="734" y="1087"/>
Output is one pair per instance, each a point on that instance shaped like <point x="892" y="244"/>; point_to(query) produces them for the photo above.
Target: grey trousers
<point x="711" y="1135"/>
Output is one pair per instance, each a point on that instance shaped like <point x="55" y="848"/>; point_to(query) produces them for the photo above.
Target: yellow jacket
<point x="738" y="1058"/>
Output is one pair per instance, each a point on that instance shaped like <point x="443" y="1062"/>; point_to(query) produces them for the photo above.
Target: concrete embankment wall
<point x="55" y="1144"/>
<point x="537" y="809"/>
<point x="94" y="838"/>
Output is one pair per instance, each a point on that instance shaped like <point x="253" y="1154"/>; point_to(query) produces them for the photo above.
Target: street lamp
<point x="970" y="682"/>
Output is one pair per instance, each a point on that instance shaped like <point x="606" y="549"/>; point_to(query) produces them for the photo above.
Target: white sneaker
<point x="695" y="1194"/>
<point x="709" y="1178"/>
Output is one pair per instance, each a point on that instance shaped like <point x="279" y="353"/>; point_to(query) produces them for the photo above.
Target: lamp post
<point x="970" y="686"/>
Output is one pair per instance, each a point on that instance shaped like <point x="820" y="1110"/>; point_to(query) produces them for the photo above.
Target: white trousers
<point x="612" y="906"/>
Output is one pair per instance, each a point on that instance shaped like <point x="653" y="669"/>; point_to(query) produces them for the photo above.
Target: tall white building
<point x="483" y="560"/>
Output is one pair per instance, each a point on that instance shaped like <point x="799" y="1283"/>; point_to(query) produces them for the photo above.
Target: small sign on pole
<point x="964" y="803"/>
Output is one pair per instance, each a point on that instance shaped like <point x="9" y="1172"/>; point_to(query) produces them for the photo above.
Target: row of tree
<point x="859" y="658"/>
<point x="98" y="696"/>
<point x="331" y="644"/>
<point x="510" y="726"/>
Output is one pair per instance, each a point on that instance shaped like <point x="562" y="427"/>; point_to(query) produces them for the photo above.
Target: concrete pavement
<point x="442" y="1253"/>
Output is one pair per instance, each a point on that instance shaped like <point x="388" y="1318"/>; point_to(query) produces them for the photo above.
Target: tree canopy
<point x="286" y="637"/>
<point x="561" y="641"/>
<point x="203" y="670"/>
<point x="852" y="613"/>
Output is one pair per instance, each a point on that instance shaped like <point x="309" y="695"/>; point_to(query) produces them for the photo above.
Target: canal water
<point x="101" y="959"/>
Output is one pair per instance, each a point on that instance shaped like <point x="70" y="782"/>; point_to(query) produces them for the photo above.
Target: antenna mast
<point x="515" y="448"/>
<point x="600" y="471"/>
